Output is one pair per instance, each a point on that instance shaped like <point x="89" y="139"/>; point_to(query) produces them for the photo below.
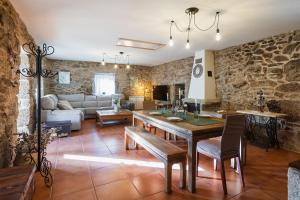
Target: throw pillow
<point x="64" y="105"/>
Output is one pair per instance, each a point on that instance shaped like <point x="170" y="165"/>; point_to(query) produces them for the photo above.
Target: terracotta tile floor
<point x="92" y="164"/>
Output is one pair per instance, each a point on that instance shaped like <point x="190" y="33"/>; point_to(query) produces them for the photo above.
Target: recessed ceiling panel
<point x="139" y="44"/>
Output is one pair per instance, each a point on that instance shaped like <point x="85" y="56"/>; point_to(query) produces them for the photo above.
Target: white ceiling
<point x="83" y="29"/>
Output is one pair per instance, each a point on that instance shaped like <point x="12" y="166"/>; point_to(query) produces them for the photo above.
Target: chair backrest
<point x="231" y="137"/>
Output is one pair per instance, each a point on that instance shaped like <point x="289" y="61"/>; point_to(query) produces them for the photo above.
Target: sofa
<point x="77" y="107"/>
<point x="294" y="180"/>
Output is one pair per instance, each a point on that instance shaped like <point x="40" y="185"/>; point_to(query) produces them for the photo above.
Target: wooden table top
<point x="262" y="114"/>
<point x="15" y="181"/>
<point x="122" y="112"/>
<point x="181" y="125"/>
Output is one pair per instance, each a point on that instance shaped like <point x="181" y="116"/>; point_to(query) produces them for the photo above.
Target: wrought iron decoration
<point x="43" y="165"/>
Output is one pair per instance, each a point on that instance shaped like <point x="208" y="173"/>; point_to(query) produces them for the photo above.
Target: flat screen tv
<point x="160" y="92"/>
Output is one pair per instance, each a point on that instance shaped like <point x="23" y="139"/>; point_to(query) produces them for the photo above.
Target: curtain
<point x="104" y="84"/>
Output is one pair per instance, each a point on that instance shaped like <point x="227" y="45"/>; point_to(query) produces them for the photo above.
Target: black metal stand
<point x="43" y="165"/>
<point x="270" y="126"/>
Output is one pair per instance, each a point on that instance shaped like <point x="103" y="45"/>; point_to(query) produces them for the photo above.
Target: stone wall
<point x="175" y="72"/>
<point x="271" y="64"/>
<point x="13" y="34"/>
<point x="130" y="82"/>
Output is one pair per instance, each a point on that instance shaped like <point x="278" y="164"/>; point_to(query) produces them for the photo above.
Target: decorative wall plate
<point x="197" y="70"/>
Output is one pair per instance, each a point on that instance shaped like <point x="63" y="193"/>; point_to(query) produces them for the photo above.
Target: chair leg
<point x="241" y="173"/>
<point x="197" y="161"/>
<point x="168" y="177"/>
<point x="223" y="176"/>
<point x="183" y="174"/>
<point x="215" y="164"/>
<point x="165" y="135"/>
<point x="154" y="130"/>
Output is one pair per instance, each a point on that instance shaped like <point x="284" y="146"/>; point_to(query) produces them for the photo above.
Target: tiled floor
<point x="92" y="164"/>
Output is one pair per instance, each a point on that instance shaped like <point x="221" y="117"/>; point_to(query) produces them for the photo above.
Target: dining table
<point x="192" y="129"/>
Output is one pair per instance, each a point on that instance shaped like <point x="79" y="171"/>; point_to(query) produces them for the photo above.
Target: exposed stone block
<point x="292" y="70"/>
<point x="289" y="87"/>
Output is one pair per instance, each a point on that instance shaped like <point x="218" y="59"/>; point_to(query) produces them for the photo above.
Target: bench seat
<point x="163" y="150"/>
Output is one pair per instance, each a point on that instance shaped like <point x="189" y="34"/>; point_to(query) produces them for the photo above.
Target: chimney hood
<point x="203" y="84"/>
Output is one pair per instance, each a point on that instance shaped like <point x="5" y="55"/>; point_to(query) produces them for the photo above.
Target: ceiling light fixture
<point x="191" y="12"/>
<point x="117" y="58"/>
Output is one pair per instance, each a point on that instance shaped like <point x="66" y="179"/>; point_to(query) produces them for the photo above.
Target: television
<point x="161" y="92"/>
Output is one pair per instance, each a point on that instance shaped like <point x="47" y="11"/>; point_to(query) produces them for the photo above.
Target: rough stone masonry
<point x="271" y="64"/>
<point x="13" y="34"/>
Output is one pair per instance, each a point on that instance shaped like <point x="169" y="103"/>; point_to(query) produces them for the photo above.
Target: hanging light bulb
<point x="187" y="46"/>
<point x="171" y="42"/>
<point x="103" y="62"/>
<point x="116" y="65"/>
<point x="218" y="35"/>
<point x="128" y="65"/>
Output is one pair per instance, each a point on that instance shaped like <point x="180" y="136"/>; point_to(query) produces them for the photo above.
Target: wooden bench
<point x="17" y="183"/>
<point x="161" y="149"/>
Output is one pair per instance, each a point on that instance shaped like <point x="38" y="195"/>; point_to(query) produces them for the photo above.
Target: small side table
<point x="63" y="127"/>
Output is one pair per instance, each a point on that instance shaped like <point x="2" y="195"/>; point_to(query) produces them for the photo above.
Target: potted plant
<point x="116" y="104"/>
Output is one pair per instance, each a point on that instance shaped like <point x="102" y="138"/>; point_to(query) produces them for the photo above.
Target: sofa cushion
<point x="88" y="104"/>
<point x="48" y="103"/>
<point x="104" y="103"/>
<point x="64" y="105"/>
<point x="91" y="110"/>
<point x="104" y="98"/>
<point x="76" y="104"/>
<point x="53" y="97"/>
<point x="90" y="98"/>
<point x="71" y="97"/>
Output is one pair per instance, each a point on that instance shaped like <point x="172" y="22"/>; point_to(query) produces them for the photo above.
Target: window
<point x="104" y="84"/>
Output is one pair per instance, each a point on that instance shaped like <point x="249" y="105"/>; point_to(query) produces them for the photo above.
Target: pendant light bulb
<point x="171" y="42"/>
<point x="102" y="63"/>
<point x="218" y="35"/>
<point x="127" y="66"/>
<point x="187" y="46"/>
<point x="116" y="66"/>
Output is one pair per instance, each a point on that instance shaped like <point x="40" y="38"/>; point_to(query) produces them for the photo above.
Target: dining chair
<point x="225" y="148"/>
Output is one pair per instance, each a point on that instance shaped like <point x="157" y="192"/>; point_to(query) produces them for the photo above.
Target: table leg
<point x="192" y="165"/>
<point x="271" y="129"/>
<point x="134" y="121"/>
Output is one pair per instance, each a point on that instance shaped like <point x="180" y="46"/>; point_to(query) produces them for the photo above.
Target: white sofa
<point x="83" y="107"/>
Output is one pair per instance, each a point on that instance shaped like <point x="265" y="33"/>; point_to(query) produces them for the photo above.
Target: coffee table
<point x="110" y="116"/>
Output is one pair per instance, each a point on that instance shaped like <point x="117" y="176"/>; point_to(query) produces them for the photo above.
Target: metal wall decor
<point x="191" y="12"/>
<point x="43" y="165"/>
